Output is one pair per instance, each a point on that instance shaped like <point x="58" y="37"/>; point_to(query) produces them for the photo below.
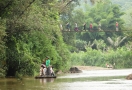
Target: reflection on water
<point x="103" y="80"/>
<point x="25" y="84"/>
<point x="43" y="81"/>
<point x="100" y="85"/>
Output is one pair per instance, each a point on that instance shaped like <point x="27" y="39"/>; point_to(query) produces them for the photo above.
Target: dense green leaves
<point x="32" y="34"/>
<point x="121" y="58"/>
<point x="2" y="48"/>
<point x="101" y="50"/>
<point x="29" y="31"/>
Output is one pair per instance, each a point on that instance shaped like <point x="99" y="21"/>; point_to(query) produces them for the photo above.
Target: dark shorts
<point x="76" y="29"/>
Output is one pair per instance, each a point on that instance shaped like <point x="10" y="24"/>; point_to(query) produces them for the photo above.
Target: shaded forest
<point x="30" y="31"/>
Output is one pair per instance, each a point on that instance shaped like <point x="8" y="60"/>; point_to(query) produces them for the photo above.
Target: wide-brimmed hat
<point x="47" y="57"/>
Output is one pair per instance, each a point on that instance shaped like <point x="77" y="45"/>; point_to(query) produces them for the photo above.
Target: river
<point x="88" y="80"/>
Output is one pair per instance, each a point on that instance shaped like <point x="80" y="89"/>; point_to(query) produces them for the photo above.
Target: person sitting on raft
<point x="52" y="71"/>
<point x="43" y="68"/>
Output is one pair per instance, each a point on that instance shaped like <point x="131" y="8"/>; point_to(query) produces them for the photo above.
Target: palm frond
<point x="122" y="39"/>
<point x="110" y="41"/>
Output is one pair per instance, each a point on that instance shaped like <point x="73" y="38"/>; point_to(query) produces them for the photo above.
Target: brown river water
<point x="88" y="80"/>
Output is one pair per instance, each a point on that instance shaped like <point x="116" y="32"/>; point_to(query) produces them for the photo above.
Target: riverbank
<point x="91" y="68"/>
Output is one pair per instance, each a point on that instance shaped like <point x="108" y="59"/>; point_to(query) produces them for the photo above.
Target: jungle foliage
<point x="100" y="44"/>
<point x="29" y="31"/>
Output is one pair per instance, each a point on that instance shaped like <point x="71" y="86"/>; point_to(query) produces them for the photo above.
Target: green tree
<point x="32" y="34"/>
<point x="2" y="48"/>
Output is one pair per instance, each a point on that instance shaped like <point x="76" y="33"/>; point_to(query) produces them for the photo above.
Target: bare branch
<point x="26" y="8"/>
<point x="62" y="9"/>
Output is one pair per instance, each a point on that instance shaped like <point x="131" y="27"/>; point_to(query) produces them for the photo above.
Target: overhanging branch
<point x="70" y="1"/>
<point x="26" y="8"/>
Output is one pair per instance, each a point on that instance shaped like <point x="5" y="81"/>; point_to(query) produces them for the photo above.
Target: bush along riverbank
<point x="2" y="73"/>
